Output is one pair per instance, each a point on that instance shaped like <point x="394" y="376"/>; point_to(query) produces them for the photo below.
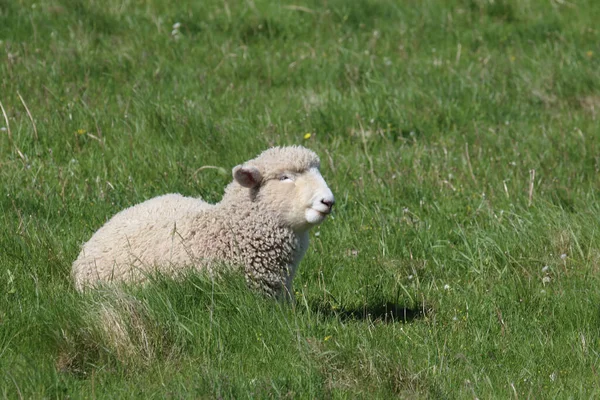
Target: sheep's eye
<point x="284" y="177"/>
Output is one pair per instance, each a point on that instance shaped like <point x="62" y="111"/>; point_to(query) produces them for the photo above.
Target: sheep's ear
<point x="247" y="175"/>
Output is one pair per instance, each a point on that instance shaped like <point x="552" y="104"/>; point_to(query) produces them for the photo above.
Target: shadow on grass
<point x="385" y="312"/>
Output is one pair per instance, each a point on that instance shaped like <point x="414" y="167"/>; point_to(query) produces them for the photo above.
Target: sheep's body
<point x="255" y="227"/>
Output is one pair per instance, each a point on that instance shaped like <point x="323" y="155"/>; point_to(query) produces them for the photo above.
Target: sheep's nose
<point x="328" y="203"/>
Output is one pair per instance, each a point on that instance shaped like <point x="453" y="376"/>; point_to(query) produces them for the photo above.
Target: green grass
<point x="461" y="139"/>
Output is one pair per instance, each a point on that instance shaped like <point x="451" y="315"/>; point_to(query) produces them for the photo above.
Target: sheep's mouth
<point x="314" y="216"/>
<point x="323" y="213"/>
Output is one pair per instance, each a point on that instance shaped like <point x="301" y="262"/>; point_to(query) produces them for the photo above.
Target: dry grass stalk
<point x="7" y="124"/>
<point x="531" y="182"/>
<point x="35" y="134"/>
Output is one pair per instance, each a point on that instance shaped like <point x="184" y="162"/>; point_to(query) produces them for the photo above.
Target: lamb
<point x="261" y="225"/>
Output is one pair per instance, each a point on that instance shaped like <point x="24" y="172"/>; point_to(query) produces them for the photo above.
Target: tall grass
<point x="459" y="137"/>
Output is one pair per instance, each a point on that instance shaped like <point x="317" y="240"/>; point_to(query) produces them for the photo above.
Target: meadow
<point x="461" y="139"/>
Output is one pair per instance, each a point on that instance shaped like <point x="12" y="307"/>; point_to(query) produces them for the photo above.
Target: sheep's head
<point x="287" y="182"/>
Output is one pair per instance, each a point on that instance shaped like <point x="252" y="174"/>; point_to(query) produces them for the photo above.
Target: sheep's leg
<point x="287" y="293"/>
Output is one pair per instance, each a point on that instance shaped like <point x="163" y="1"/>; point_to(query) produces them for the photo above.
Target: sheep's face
<point x="300" y="199"/>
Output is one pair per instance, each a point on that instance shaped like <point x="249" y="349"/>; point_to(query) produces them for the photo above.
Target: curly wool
<point x="170" y="233"/>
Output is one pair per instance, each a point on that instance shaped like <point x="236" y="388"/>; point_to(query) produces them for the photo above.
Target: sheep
<point x="260" y="225"/>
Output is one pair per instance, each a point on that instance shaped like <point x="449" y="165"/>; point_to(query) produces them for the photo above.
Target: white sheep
<point x="261" y="225"/>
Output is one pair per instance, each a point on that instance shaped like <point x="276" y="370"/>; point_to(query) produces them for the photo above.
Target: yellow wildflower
<point x="307" y="136"/>
<point x="327" y="338"/>
<point x="80" y="131"/>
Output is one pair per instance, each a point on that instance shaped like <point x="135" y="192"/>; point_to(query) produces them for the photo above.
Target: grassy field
<point x="461" y="139"/>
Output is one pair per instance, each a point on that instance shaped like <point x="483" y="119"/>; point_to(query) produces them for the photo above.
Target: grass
<point x="459" y="137"/>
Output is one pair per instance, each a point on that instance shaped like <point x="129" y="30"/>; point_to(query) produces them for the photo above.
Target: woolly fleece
<point x="259" y="226"/>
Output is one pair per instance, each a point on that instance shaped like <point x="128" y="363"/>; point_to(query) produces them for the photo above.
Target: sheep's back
<point x="139" y="240"/>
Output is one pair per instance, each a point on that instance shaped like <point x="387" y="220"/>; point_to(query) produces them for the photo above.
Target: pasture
<point x="461" y="139"/>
